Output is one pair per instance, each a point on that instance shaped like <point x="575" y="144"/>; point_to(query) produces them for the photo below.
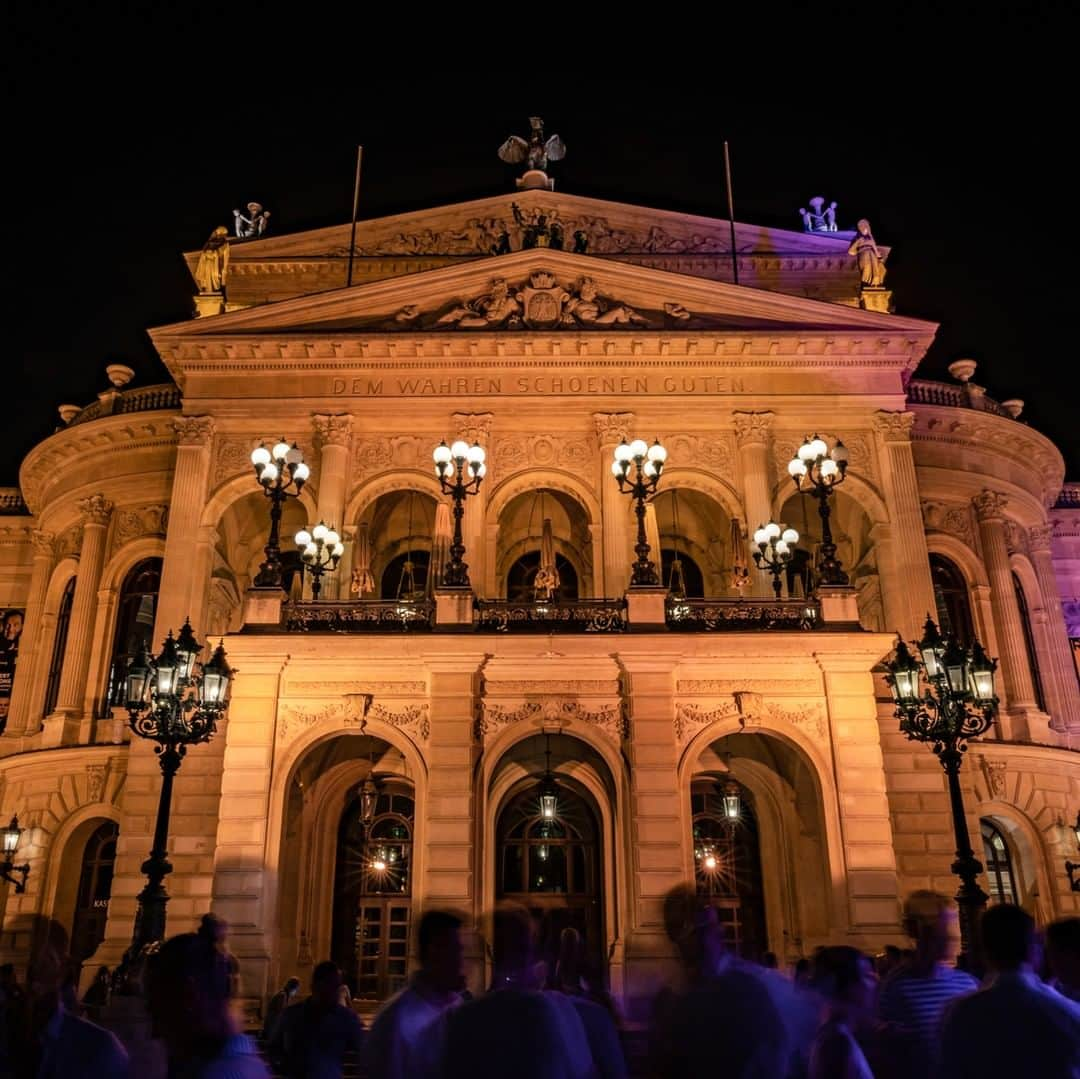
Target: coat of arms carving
<point x="543" y="300"/>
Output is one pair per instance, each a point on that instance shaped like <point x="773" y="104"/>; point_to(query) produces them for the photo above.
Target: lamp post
<point x="958" y="703"/>
<point x="774" y="543"/>
<point x="173" y="702"/>
<point x="648" y="463"/>
<point x="277" y="470"/>
<point x="816" y="470"/>
<point x="10" y="837"/>
<point x="452" y="465"/>
<point x="320" y="551"/>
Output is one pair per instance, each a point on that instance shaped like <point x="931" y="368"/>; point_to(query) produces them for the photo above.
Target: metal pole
<point x="731" y="213"/>
<point x="355" y="210"/>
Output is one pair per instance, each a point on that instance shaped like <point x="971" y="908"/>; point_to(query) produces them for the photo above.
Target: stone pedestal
<point x="262" y="606"/>
<point x="876" y="299"/>
<point x="453" y="608"/>
<point x="839" y="605"/>
<point x="209" y="303"/>
<point x="646" y="608"/>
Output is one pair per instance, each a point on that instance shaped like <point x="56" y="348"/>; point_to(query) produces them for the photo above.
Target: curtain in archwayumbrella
<point x="442" y="537"/>
<point x="740" y="568"/>
<point x="362" y="580"/>
<point x="547" y="581"/>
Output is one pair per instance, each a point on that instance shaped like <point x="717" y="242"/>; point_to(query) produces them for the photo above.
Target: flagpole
<point x="730" y="212"/>
<point x="355" y="210"/>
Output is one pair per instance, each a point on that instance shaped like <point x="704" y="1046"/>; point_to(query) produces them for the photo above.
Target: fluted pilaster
<point x="752" y="435"/>
<point x="611" y="429"/>
<point x="30" y="644"/>
<point x="333" y="435"/>
<point x="476" y="427"/>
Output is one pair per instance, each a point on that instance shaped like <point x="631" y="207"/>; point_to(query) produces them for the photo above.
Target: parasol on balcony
<point x="362" y="580"/>
<point x="546" y="583"/>
<point x="441" y="538"/>
<point x="740" y="569"/>
<point x="652" y="533"/>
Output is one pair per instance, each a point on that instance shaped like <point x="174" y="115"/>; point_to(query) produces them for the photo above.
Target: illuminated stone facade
<point x="548" y="357"/>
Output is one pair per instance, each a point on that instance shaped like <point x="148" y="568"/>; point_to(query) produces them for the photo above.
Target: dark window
<point x="406" y="576"/>
<point x="95" y="889"/>
<point x="522" y="575"/>
<point x="134" y="623"/>
<point x="1029" y="643"/>
<point x="952" y="600"/>
<point x="999" y="868"/>
<point x="56" y="663"/>
<point x="693" y="581"/>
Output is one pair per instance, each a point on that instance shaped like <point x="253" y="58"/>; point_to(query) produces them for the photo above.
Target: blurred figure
<point x="846" y="983"/>
<point x="514" y="1029"/>
<point x="406" y="1038"/>
<point x="916" y="994"/>
<point x="769" y="961"/>
<point x="1015" y="1026"/>
<point x="61" y="1045"/>
<point x="567" y="976"/>
<point x="888" y="960"/>
<point x="12" y="1020"/>
<point x="97" y="995"/>
<point x="802" y="973"/>
<point x="725" y="1021"/>
<point x="311" y="1038"/>
<point x="215" y="931"/>
<point x="188" y="993"/>
<point x="285" y="996"/>
<point x="1063" y="957"/>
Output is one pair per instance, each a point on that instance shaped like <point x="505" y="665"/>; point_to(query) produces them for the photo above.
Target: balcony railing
<point x="359" y="616"/>
<point x="710" y="615"/>
<point x="567" y="616"/>
<point x="922" y="391"/>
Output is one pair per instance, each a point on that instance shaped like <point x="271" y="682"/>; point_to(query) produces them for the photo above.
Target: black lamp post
<point x="320" y="551"/>
<point x="648" y="463"/>
<point x="816" y="470"/>
<point x="452" y="463"/>
<point x="277" y="470"/>
<point x="173" y="702"/>
<point x="774" y="550"/>
<point x="958" y="703"/>
<point x="8" y="869"/>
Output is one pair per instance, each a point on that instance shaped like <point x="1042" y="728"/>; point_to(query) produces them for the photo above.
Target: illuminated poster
<point x="10" y="631"/>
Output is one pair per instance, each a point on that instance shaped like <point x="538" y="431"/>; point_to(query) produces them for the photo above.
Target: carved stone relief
<point x="1015" y="537"/>
<point x="752" y="710"/>
<point x="714" y="451"/>
<point x="575" y="455"/>
<point x="379" y="454"/>
<point x="951" y="517"/>
<point x="718" y="687"/>
<point x="994" y="773"/>
<point x="96" y="777"/>
<point x="608" y="717"/>
<point x="351" y="711"/>
<point x="232" y="457"/>
<point x="69" y="542"/>
<point x="149" y="520"/>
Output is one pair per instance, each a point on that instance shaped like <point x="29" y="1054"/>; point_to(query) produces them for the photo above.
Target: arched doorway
<point x="373" y="894"/>
<point x="94" y="890"/>
<point x="550" y="864"/>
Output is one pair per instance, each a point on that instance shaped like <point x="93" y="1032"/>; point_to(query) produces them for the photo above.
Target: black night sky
<point x="120" y="156"/>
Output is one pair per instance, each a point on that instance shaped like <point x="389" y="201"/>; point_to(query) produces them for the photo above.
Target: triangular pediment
<point x="546" y="291"/>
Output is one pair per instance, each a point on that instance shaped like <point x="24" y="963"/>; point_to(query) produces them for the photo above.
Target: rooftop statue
<point x="871" y="264"/>
<point x="213" y="262"/>
<point x="253" y="226"/>
<point x="536" y="151"/>
<point x="819" y="218"/>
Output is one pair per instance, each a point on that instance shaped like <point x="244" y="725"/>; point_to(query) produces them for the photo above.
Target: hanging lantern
<point x="11" y="836"/>
<point x="368" y="797"/>
<point x="140" y="675"/>
<point x="732" y="801"/>
<point x="167" y="667"/>
<point x="932" y="647"/>
<point x="903" y="677"/>
<point x="981" y="670"/>
<point x="217" y="675"/>
<point x="187" y="649"/>
<point x="708" y="860"/>
<point x="549" y="792"/>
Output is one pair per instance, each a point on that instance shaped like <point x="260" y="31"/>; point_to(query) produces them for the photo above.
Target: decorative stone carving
<point x="212" y="268"/>
<point x="473" y="426"/>
<point x="331" y="430"/>
<point x="990" y="505"/>
<point x="994" y="772"/>
<point x="353" y="710"/>
<point x="375" y="689"/>
<point x="819" y="218"/>
<point x="752" y="428"/>
<point x="494" y="716"/>
<point x="718" y="687"/>
<point x="609" y="718"/>
<point x="567" y="686"/>
<point x="96" y="777"/>
<point x="1039" y="537"/>
<point x="869" y="258"/>
<point x="536" y="152"/>
<point x="232" y="457"/>
<point x="950" y="517"/>
<point x="750" y="704"/>
<point x="612" y="427"/>
<point x="752" y="710"/>
<point x="810" y="717"/>
<point x="573" y="455"/>
<point x="860" y="453"/>
<point x="194" y="430"/>
<point x="689" y="716"/>
<point x="1016" y="540"/>
<point x="151" y="520"/>
<point x="69" y="542"/>
<point x="413" y="719"/>
<point x="711" y="451"/>
<point x="95" y="510"/>
<point x="253" y="225"/>
<point x="44" y="542"/>
<point x="372" y="455"/>
<point x="894" y="426"/>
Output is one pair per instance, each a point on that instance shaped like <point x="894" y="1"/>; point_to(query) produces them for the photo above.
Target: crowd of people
<point x="905" y="1014"/>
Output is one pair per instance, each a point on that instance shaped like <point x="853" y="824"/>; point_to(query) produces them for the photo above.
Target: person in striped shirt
<point x="914" y="997"/>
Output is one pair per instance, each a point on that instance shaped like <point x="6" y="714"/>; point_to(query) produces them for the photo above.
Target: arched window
<point x="134" y="623"/>
<point x="406" y="576"/>
<point x="693" y="581"/>
<point x="56" y="663"/>
<point x="1029" y="643"/>
<point x="95" y="888"/>
<point x="999" y="867"/>
<point x="952" y="600"/>
<point x="522" y="575"/>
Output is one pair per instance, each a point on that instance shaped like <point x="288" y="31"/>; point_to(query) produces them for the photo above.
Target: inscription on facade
<point x="521" y="385"/>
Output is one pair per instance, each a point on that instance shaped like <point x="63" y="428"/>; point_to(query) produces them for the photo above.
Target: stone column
<point x="1058" y="670"/>
<point x="1019" y="693"/>
<point x="752" y="436"/>
<point x="181" y="595"/>
<point x="62" y="726"/>
<point x="476" y="427"/>
<point x="332" y="437"/>
<point x="596" y="550"/>
<point x="611" y="429"/>
<point x="907" y="590"/>
<point x="30" y="665"/>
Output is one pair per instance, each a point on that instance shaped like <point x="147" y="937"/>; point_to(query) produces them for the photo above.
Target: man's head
<point x="187" y="992"/>
<point x="693" y="925"/>
<point x="326" y="981"/>
<point x="1008" y="936"/>
<point x="513" y="939"/>
<point x="292" y="987"/>
<point x="1063" y="951"/>
<point x="214" y="929"/>
<point x="13" y="624"/>
<point x="441" y="953"/>
<point x="930" y="919"/>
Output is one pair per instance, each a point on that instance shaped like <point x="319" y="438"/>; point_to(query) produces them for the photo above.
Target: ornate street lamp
<point x="9" y="837"/>
<point x="277" y="470"/>
<point x="320" y="550"/>
<point x="775" y="545"/>
<point x="958" y="703"/>
<point x="174" y="703"/>
<point x="452" y="464"/>
<point x="648" y="463"/>
<point x="816" y="470"/>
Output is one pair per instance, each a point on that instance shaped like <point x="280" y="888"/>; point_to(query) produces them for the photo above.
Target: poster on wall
<point x="10" y="631"/>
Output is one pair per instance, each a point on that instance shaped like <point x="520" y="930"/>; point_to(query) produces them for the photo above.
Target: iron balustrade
<point x="359" y="616"/>
<point x="565" y="616"/>
<point x="711" y="615"/>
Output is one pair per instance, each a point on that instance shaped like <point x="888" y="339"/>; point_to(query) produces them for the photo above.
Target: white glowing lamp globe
<point x="638" y="448"/>
<point x="650" y="469"/>
<point x="260" y="456"/>
<point x="796" y="468"/>
<point x="773" y="530"/>
<point x="311" y="552"/>
<point x="480" y="471"/>
<point x="819" y="448"/>
<point x="300" y="471"/>
<point x="318" y="533"/>
<point x="829" y="468"/>
<point x="442" y="454"/>
<point x="477" y="456"/>
<point x="303" y="538"/>
<point x="617" y="468"/>
<point x="781" y="547"/>
<point x="761" y="537"/>
<point x="268" y="474"/>
<point x="790" y="536"/>
<point x="332" y="539"/>
<point x="339" y="550"/>
<point x="623" y="452"/>
<point x="459" y="450"/>
<point x="281" y="451"/>
<point x="806" y="451"/>
<point x="657" y="452"/>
